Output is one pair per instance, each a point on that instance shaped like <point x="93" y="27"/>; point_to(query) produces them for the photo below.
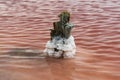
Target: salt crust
<point x="65" y="47"/>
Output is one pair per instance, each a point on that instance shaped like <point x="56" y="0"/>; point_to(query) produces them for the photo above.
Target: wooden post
<point x="62" y="28"/>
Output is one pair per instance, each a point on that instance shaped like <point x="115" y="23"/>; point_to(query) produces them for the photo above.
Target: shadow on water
<point x="27" y="64"/>
<point x="24" y="52"/>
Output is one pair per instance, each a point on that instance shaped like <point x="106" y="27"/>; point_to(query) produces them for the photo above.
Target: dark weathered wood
<point x="62" y="27"/>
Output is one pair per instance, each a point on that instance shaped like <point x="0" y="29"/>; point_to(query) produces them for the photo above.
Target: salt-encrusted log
<point x="62" y="42"/>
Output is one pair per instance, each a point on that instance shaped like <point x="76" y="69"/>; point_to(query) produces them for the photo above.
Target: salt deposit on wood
<point x="62" y="42"/>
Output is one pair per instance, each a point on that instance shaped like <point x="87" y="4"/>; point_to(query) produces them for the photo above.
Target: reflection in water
<point x="25" y="24"/>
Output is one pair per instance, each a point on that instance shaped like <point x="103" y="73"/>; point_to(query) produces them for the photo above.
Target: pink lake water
<point x="25" y="24"/>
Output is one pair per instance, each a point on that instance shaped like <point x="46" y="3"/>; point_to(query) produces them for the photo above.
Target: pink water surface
<point x="26" y="24"/>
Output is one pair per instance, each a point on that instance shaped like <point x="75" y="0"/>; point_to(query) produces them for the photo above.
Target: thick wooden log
<point x="62" y="28"/>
